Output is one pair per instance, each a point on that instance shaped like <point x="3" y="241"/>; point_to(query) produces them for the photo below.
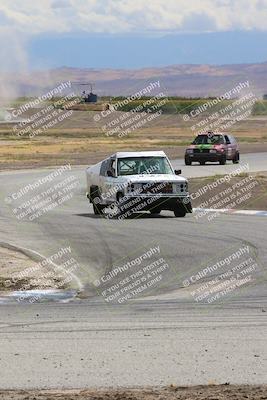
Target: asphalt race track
<point x="163" y="335"/>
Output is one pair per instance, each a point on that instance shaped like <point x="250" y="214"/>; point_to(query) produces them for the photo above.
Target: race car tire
<point x="187" y="161"/>
<point x="223" y="160"/>
<point x="179" y="212"/>
<point x="236" y="158"/>
<point x="98" y="208"/>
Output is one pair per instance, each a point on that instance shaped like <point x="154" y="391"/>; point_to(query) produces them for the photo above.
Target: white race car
<point x="137" y="181"/>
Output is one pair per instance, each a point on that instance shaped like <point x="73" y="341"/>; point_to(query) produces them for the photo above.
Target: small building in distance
<point x="265" y="97"/>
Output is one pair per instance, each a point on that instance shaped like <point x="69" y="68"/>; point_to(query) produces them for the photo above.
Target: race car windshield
<point x="143" y="165"/>
<point x="205" y="139"/>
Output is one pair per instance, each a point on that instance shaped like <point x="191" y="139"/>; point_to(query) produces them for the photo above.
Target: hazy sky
<point x="131" y="33"/>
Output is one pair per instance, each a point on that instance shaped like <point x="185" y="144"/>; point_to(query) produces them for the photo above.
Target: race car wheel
<point x="98" y="208"/>
<point x="223" y="160"/>
<point x="236" y="158"/>
<point x="179" y="212"/>
<point x="187" y="161"/>
<point x="121" y="211"/>
<point x="202" y="162"/>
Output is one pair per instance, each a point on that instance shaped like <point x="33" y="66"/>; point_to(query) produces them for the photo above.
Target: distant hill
<point x="175" y="80"/>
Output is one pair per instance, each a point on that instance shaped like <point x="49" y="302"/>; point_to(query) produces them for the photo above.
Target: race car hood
<point x="153" y="178"/>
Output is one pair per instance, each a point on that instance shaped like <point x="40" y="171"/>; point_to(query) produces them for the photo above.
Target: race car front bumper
<point x="212" y="157"/>
<point x="160" y="201"/>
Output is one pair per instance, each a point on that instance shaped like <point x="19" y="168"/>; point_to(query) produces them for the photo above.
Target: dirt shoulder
<point x="19" y="273"/>
<point x="243" y="192"/>
<point x="212" y="392"/>
<point x="80" y="140"/>
<point x="84" y="152"/>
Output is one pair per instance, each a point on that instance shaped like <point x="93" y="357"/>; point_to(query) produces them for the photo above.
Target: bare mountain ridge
<point x="176" y="80"/>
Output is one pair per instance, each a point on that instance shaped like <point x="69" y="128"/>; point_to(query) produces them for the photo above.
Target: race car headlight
<point x="189" y="151"/>
<point x="220" y="148"/>
<point x="132" y="187"/>
<point x="181" y="188"/>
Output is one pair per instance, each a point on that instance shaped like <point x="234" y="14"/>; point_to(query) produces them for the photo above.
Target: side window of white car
<point x="108" y="165"/>
<point x="104" y="168"/>
<point x="111" y="166"/>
